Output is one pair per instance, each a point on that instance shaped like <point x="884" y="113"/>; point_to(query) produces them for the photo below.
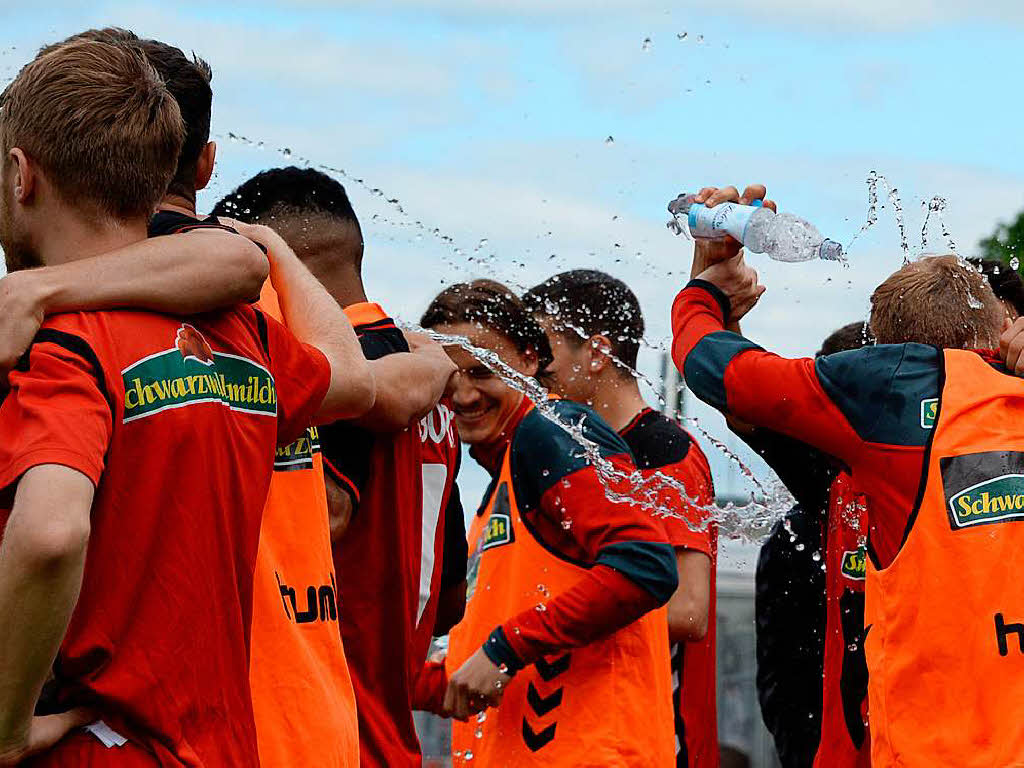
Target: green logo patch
<point x="996" y="500"/>
<point x="855" y="564"/>
<point x="499" y="523"/>
<point x="929" y="412"/>
<point x="192" y="373"/>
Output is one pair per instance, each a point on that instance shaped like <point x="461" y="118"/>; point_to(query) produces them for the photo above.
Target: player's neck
<point x="179" y="204"/>
<point x="75" y="236"/>
<point x="618" y="401"/>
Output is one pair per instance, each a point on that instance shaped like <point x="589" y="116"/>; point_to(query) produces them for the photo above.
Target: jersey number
<point x="434" y="478"/>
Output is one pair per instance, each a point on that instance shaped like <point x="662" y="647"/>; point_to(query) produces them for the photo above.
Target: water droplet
<point x="816" y="556"/>
<point x="1014" y="262"/>
<point x="479" y="733"/>
<point x="469" y="755"/>
<point x="541" y="608"/>
<point x="482" y="717"/>
<point x="647" y="44"/>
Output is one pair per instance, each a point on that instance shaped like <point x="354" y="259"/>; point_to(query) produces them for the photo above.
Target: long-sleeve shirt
<point x="630" y="564"/>
<point x="872" y="409"/>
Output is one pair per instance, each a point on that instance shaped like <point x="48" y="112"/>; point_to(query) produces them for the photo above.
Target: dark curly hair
<point x="492" y="305"/>
<point x="593" y="303"/>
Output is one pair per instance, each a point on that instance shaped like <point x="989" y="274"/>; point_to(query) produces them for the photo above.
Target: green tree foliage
<point x="1006" y="242"/>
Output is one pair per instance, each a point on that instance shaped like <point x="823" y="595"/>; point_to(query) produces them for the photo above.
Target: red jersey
<point x="659" y="444"/>
<point x="176" y="424"/>
<point x="393" y="561"/>
<point x="844" y="734"/>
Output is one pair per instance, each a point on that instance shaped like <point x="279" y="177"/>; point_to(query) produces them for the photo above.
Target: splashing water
<point x="936" y="207"/>
<point x="873" y="181"/>
<point x="749" y="522"/>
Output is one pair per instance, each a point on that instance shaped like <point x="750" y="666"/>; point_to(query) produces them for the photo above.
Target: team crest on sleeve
<point x="929" y="412"/>
<point x="191" y="373"/>
<point x="983" y="488"/>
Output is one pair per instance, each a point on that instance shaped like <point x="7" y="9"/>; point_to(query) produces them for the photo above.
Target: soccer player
<point x="595" y="325"/>
<point x="810" y="601"/>
<point x="397" y="523"/>
<point x="298" y="672"/>
<point x="930" y="434"/>
<point x="139" y="446"/>
<point x="563" y="632"/>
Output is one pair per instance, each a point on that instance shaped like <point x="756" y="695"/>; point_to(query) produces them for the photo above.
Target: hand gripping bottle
<point x="782" y="236"/>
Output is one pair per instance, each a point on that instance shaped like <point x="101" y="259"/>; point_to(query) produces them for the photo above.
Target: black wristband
<point x="716" y="292"/>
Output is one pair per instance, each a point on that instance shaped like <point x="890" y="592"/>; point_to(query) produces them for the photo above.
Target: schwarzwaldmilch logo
<point x="191" y="373"/>
<point x="855" y="564"/>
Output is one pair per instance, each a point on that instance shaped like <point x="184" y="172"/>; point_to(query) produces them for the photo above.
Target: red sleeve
<point x="55" y="413"/>
<point x="430" y="687"/>
<point x="301" y="375"/>
<point x="736" y="376"/>
<point x="602" y="602"/>
<point x="696" y="478"/>
<point x="634" y="570"/>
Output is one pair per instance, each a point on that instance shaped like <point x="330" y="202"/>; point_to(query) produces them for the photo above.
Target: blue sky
<point x="489" y="121"/>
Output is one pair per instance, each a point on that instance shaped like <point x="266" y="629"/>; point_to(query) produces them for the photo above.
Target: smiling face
<point x="483" y="403"/>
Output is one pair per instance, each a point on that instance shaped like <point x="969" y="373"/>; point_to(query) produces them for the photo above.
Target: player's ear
<point x="529" y="362"/>
<point x="600" y="348"/>
<point x="23" y="175"/>
<point x="204" y="166"/>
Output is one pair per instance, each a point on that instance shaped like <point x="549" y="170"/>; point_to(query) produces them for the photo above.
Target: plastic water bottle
<point x="782" y="236"/>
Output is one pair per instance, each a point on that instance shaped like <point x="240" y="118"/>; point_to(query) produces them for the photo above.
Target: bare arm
<point x="179" y="274"/>
<point x="689" y="605"/>
<point x="339" y="509"/>
<point x="315" y="318"/>
<point x="42" y="559"/>
<point x="409" y="385"/>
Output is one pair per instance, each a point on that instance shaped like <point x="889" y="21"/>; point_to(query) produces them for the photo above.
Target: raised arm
<point x="315" y="318"/>
<point x="409" y="384"/>
<point x="42" y="559"/>
<point x="181" y="274"/>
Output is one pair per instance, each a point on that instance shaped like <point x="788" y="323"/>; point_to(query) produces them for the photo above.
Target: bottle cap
<point x="830" y="250"/>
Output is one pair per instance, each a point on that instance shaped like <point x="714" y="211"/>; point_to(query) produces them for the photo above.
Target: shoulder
<point x="657" y="441"/>
<point x="544" y="452"/>
<point x="556" y="425"/>
<point x="882" y="390"/>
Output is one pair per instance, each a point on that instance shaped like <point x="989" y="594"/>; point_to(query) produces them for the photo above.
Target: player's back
<point x="158" y="642"/>
<point x="389" y="559"/>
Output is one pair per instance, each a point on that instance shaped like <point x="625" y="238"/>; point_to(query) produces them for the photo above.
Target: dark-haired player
<point x="137" y="445"/>
<point x="397" y="524"/>
<point x="595" y="324"/>
<point x="562" y="632"/>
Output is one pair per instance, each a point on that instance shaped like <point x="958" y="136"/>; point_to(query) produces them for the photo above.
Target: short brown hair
<point x="492" y="305"/>
<point x="100" y="123"/>
<point x="188" y="80"/>
<point x="937" y="300"/>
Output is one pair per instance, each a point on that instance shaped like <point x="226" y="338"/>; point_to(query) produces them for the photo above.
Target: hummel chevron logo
<point x="540" y="740"/>
<point x="549" y="672"/>
<point x="540" y="704"/>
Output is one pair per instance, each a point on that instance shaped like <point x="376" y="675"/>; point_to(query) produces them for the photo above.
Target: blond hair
<point x="937" y="300"/>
